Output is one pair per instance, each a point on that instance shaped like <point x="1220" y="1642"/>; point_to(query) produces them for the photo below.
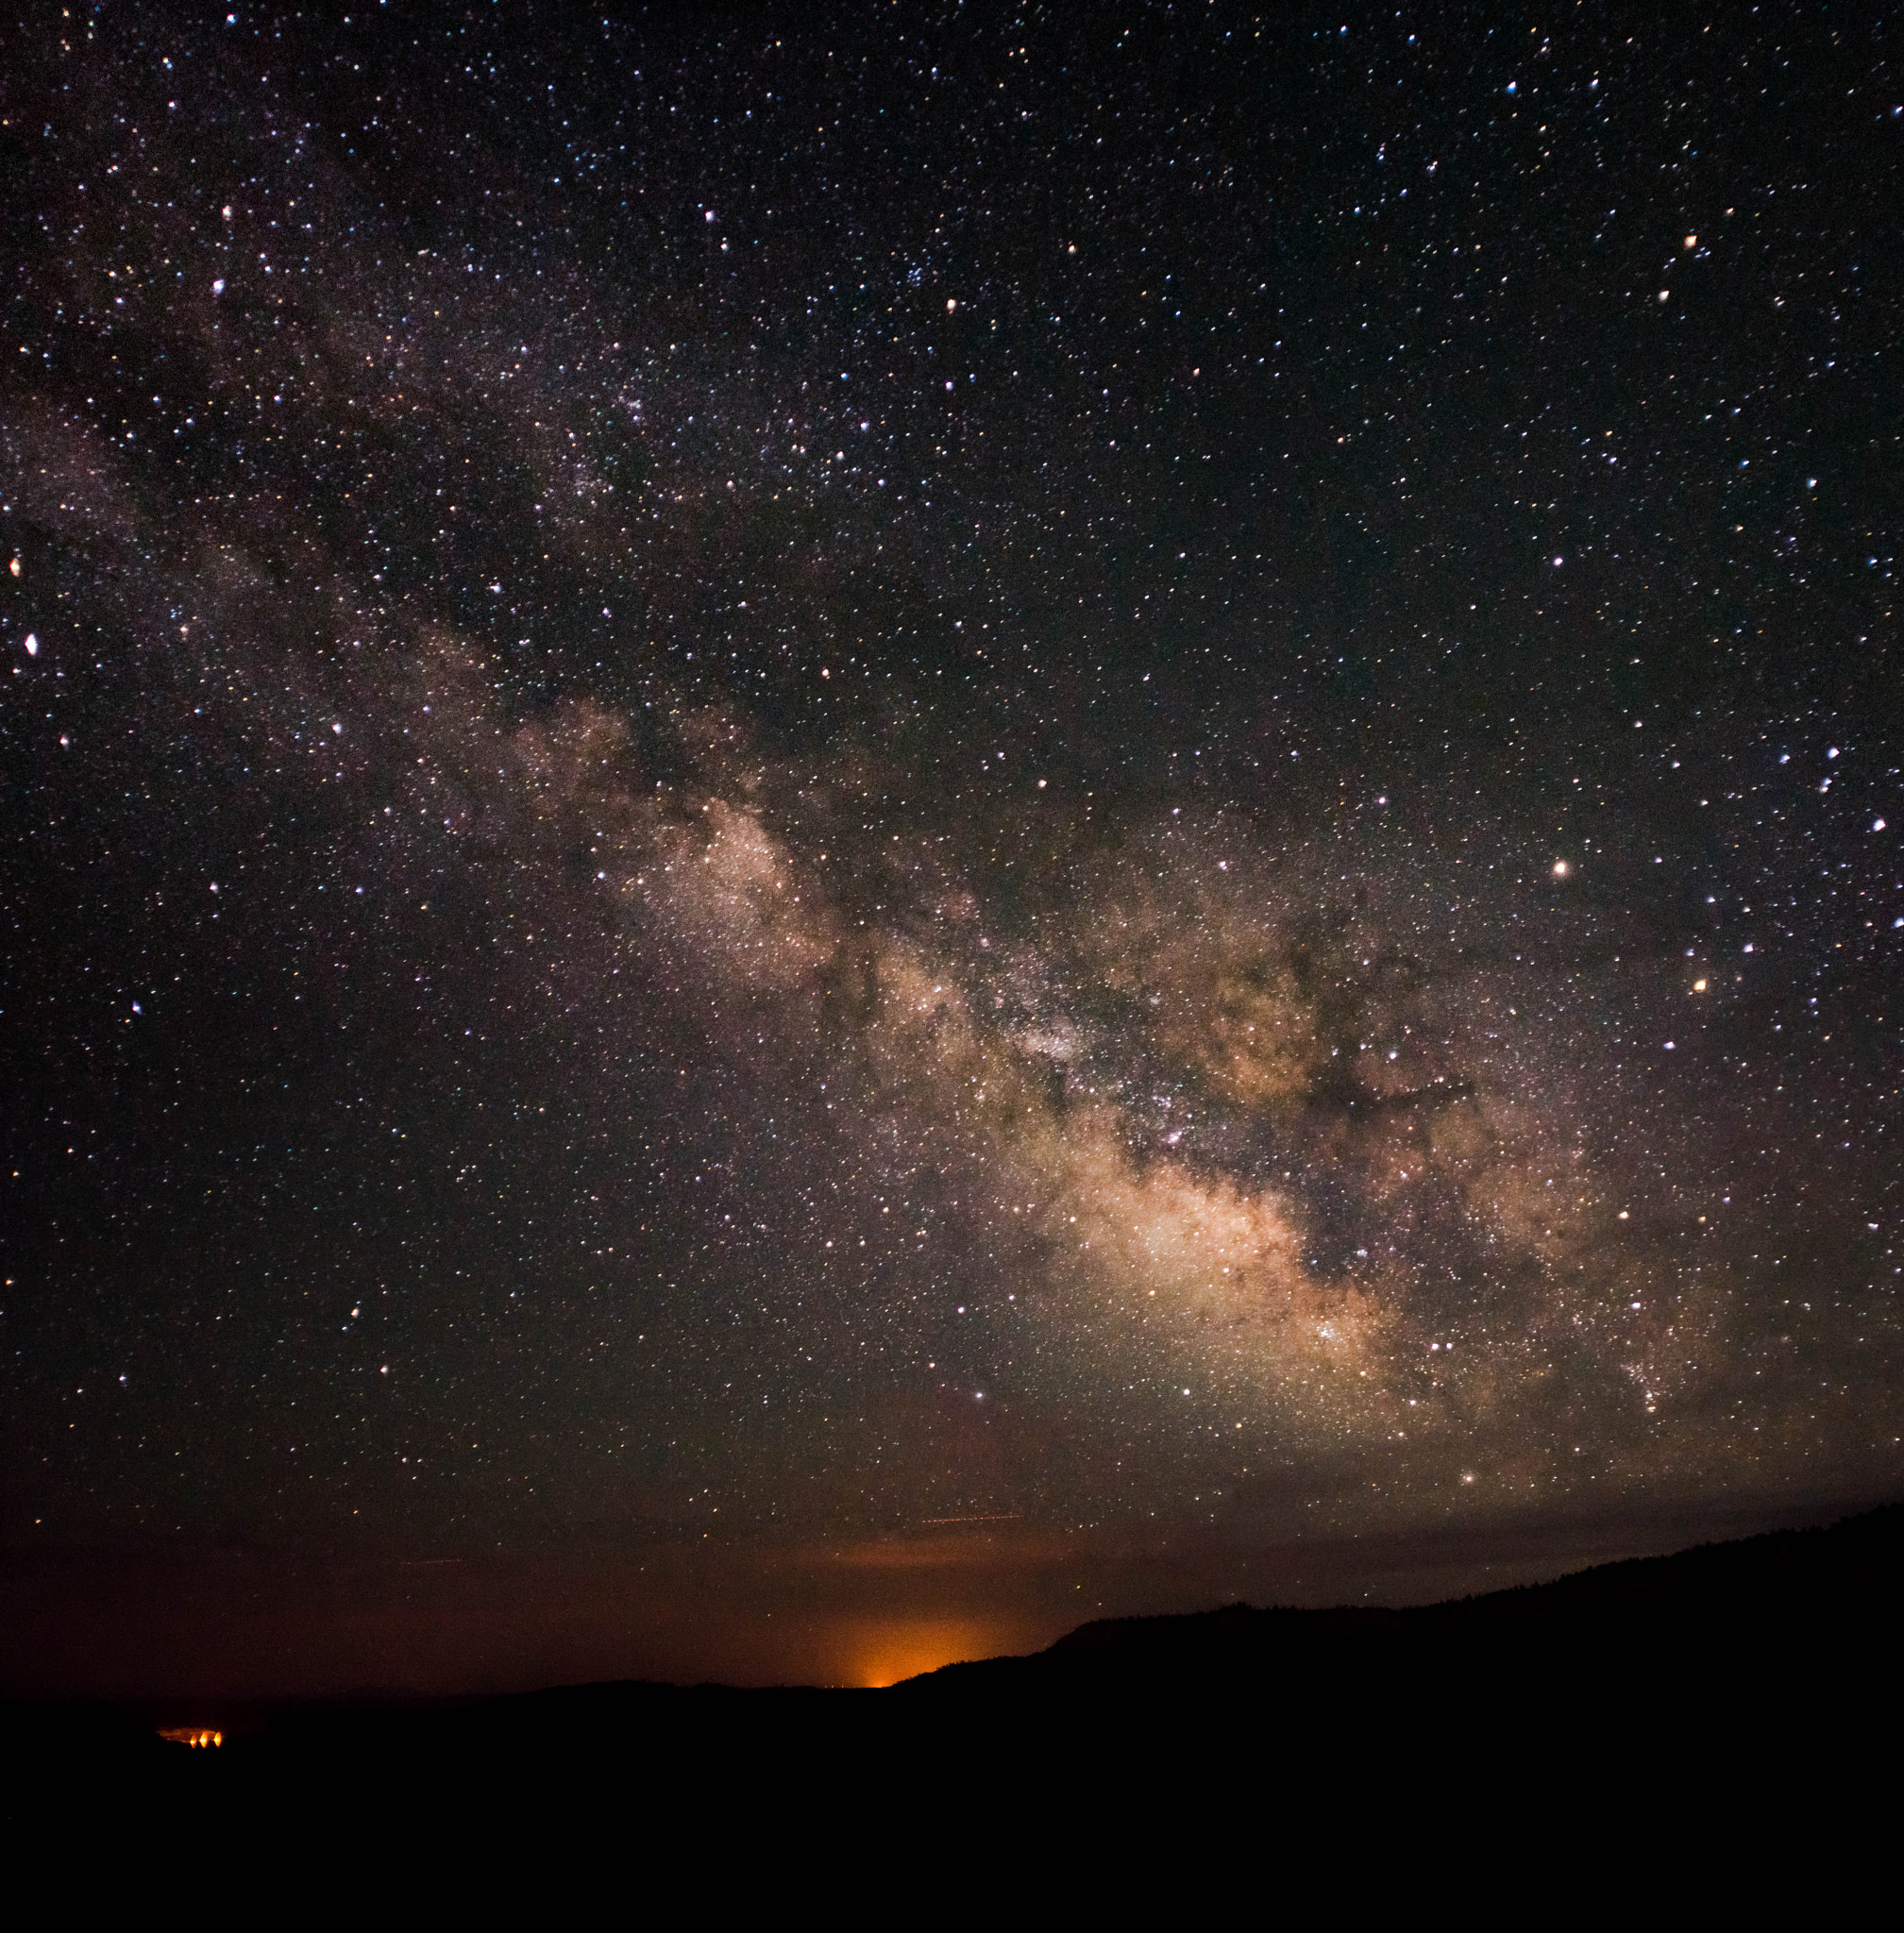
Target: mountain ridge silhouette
<point x="1729" y="1662"/>
<point x="1783" y="1578"/>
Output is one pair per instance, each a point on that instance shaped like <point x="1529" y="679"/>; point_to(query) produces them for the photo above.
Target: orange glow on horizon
<point x="192" y="1735"/>
<point x="887" y="1652"/>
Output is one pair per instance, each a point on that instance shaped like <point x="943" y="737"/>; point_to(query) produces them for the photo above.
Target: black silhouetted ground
<point x="1717" y="1620"/>
<point x="1717" y="1675"/>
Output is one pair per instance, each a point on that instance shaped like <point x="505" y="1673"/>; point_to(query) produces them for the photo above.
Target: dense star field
<point x="829" y="834"/>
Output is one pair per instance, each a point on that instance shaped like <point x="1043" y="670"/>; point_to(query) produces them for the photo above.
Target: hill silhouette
<point x="1756" y="1606"/>
<point x="1727" y="1652"/>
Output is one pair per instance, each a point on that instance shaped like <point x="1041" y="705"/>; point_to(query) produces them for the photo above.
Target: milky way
<point x="781" y="782"/>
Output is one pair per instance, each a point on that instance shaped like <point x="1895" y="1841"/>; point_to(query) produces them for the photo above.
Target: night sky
<point x="830" y="835"/>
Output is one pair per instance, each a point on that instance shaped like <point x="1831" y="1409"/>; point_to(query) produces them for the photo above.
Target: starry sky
<point x="830" y="833"/>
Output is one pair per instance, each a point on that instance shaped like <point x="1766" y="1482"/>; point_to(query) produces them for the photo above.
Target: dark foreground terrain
<point x="1706" y="1681"/>
<point x="1710" y="1622"/>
